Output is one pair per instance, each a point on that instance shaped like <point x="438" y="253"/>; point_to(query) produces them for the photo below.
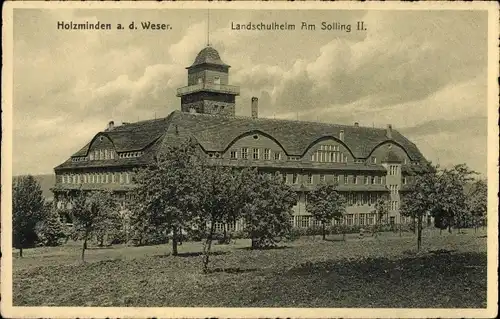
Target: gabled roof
<point x="132" y="136"/>
<point x="217" y="133"/>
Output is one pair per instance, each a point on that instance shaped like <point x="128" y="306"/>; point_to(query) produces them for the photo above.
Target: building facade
<point x="367" y="163"/>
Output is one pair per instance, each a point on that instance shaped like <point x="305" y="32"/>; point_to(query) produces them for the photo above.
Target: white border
<point x="6" y="173"/>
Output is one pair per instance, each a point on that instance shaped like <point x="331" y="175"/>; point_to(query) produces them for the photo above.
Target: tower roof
<point x="208" y="56"/>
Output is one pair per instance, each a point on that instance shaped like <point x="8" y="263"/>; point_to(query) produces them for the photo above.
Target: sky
<point x="424" y="72"/>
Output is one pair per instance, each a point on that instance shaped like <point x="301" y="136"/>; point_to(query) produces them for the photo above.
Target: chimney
<point x="111" y="126"/>
<point x="341" y="135"/>
<point x="255" y="107"/>
<point x="388" y="131"/>
<point x="356" y="124"/>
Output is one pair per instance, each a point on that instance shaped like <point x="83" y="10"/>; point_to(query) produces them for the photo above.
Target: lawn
<point x="450" y="271"/>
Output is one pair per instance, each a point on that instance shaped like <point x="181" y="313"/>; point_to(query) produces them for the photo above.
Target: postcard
<point x="249" y="159"/>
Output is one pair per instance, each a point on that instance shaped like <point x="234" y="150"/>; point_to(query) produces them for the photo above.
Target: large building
<point x="367" y="163"/>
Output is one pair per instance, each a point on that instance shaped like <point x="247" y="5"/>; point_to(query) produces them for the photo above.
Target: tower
<point x="208" y="90"/>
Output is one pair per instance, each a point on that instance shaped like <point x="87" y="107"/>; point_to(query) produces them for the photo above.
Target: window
<point x="335" y="179"/>
<point x="267" y="154"/>
<point x="255" y="153"/>
<point x="346" y="179"/>
<point x="394" y="189"/>
<point x="277" y="156"/>
<point x="328" y="154"/>
<point x="382" y="180"/>
<point x="316" y="222"/>
<point x="309" y="178"/>
<point x="291" y="220"/>
<point x="367" y="180"/>
<point x="370" y="218"/>
<point x="394" y="205"/>
<point x="295" y="178"/>
<point x="372" y="199"/>
<point x="350" y="219"/>
<point x="393" y="170"/>
<point x="84" y="178"/>
<point x="244" y="153"/>
<point x="111" y="154"/>
<point x="322" y="178"/>
<point x="127" y="178"/>
<point x="373" y="160"/>
<point x="122" y="180"/>
<point x="101" y="154"/>
<point x="234" y="154"/>
<point x="355" y="179"/>
<point x="374" y="180"/>
<point x="303" y="221"/>
<point x="405" y="180"/>
<point x="341" y="135"/>
<point x="364" y="198"/>
<point x="96" y="155"/>
<point x="361" y="219"/>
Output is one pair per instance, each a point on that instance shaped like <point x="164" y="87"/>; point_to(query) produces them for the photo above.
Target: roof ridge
<point x="243" y="117"/>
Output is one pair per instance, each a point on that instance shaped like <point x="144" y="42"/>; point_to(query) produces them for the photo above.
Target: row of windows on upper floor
<point x="361" y="198"/>
<point x="97" y="178"/>
<point x="268" y="154"/>
<point x="325" y="154"/>
<point x="105" y="154"/>
<point x="347" y="179"/>
<point x="348" y="219"/>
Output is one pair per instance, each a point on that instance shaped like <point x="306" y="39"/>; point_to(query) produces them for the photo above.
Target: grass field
<point x="450" y="271"/>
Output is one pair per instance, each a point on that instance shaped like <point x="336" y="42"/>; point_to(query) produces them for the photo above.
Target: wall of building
<point x="216" y="107"/>
<point x="208" y="75"/>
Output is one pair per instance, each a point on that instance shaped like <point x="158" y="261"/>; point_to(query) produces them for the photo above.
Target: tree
<point x="93" y="213"/>
<point x="477" y="202"/>
<point x="27" y="211"/>
<point x="268" y="210"/>
<point x="51" y="230"/>
<point x="325" y="203"/>
<point x="439" y="192"/>
<point x="449" y="195"/>
<point x="167" y="191"/>
<point x="222" y="198"/>
<point x="421" y="198"/>
<point x="381" y="209"/>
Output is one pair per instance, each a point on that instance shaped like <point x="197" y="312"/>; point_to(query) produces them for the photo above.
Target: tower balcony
<point x="209" y="87"/>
